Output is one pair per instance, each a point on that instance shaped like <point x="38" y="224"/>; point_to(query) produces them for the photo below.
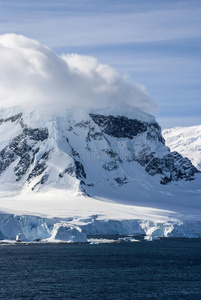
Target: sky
<point x="153" y="43"/>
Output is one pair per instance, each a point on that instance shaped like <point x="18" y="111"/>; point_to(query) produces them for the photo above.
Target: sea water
<point x="162" y="269"/>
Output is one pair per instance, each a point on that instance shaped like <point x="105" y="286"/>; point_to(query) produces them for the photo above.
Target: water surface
<point x="164" y="269"/>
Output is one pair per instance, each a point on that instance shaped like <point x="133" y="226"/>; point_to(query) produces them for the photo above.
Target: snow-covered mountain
<point x="186" y="141"/>
<point x="78" y="154"/>
<point x="85" y="153"/>
<point x="94" y="156"/>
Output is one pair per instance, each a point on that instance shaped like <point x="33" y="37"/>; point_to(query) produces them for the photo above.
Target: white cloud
<point x="33" y="76"/>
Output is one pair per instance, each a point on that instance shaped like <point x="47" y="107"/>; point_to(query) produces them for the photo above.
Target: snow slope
<point x="186" y="141"/>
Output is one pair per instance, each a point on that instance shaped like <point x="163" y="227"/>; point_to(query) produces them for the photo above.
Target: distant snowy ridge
<point x="186" y="141"/>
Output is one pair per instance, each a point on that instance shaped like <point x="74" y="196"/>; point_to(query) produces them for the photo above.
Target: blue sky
<point x="154" y="43"/>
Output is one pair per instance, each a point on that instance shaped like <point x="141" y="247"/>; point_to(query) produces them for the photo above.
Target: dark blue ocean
<point x="163" y="269"/>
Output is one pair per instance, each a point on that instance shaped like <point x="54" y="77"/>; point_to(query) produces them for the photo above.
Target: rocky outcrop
<point x="172" y="167"/>
<point x="119" y="127"/>
<point x="22" y="149"/>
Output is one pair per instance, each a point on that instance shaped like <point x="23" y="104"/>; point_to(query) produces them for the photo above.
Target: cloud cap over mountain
<point x="33" y="76"/>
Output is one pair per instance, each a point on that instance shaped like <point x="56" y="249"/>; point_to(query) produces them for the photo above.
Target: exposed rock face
<point x="12" y="118"/>
<point x="100" y="148"/>
<point x="119" y="127"/>
<point x="22" y="149"/>
<point x="172" y="167"/>
<point x="122" y="127"/>
<point x="39" y="167"/>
